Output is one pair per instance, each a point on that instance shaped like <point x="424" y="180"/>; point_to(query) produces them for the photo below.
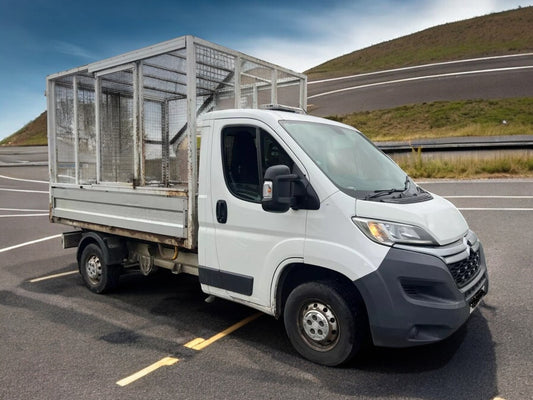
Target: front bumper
<point x="417" y="298"/>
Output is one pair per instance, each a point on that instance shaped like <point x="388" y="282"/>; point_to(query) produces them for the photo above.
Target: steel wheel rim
<point x="318" y="325"/>
<point x="94" y="270"/>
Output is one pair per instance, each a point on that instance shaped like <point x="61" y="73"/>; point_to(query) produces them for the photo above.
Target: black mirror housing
<point x="277" y="189"/>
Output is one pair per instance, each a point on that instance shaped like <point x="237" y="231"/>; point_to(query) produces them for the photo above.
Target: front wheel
<point x="324" y="323"/>
<point x="97" y="275"/>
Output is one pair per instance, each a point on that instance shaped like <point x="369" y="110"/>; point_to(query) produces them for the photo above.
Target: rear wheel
<point x="325" y="324"/>
<point x="97" y="275"/>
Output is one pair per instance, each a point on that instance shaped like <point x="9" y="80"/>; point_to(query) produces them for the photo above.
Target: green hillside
<point x="32" y="134"/>
<point x="507" y="32"/>
<point x="445" y="119"/>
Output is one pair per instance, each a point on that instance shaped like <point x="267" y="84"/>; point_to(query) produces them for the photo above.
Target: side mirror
<point x="277" y="188"/>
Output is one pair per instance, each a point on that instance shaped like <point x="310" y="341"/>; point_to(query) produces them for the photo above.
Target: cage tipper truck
<point x="300" y="217"/>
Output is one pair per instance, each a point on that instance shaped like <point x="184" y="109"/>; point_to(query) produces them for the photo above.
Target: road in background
<point x="484" y="78"/>
<point x="28" y="155"/>
<point x="61" y="341"/>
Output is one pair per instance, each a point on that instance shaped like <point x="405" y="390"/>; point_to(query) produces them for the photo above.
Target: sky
<point x="42" y="37"/>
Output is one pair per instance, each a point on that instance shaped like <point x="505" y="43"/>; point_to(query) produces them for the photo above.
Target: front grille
<point x="477" y="291"/>
<point x="465" y="270"/>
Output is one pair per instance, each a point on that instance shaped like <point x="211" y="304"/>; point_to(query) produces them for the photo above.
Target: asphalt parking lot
<point x="60" y="341"/>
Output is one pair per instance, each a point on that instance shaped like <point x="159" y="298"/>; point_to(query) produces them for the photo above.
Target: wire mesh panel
<point x="153" y="145"/>
<point x="164" y="115"/>
<point x="178" y="157"/>
<point x="288" y="89"/>
<point x="215" y="79"/>
<point x="256" y="84"/>
<point x="116" y="124"/>
<point x="86" y="130"/>
<point x="65" y="141"/>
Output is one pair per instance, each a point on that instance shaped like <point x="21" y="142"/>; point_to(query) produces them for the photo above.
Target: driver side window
<point x="247" y="152"/>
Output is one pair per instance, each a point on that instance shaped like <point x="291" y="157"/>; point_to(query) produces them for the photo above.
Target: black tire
<point x="325" y="324"/>
<point x="97" y="275"/>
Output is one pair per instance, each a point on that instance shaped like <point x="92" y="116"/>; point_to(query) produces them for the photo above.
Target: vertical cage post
<point x="255" y="96"/>
<point x="51" y="126"/>
<point x="97" y="126"/>
<point x="237" y="82"/>
<point x="303" y="94"/>
<point x="75" y="129"/>
<point x="274" y="86"/>
<point x="192" y="169"/>
<point x="139" y="100"/>
<point x="136" y="82"/>
<point x="165" y="143"/>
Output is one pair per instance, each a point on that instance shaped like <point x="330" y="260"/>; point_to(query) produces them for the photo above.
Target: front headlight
<point x="388" y="233"/>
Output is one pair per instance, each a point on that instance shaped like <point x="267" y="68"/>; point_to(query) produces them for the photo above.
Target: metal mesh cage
<point x="125" y="120"/>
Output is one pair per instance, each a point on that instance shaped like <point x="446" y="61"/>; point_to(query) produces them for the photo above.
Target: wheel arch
<point x="113" y="248"/>
<point x="295" y="274"/>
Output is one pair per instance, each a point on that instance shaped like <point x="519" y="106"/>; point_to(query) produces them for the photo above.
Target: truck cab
<point x="304" y="217"/>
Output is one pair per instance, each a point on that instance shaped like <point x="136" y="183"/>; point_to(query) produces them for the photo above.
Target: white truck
<point x="296" y="216"/>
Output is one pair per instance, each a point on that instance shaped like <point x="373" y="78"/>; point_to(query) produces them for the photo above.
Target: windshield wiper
<point x="386" y="192"/>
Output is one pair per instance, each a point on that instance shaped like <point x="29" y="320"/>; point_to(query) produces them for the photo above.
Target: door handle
<point x="222" y="211"/>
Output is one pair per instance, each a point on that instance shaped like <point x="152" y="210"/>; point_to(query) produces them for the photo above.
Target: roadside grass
<point x="467" y="167"/>
<point x="445" y="119"/>
<point x="507" y="32"/>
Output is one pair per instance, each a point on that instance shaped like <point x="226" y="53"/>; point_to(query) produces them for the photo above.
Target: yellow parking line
<point x="167" y="361"/>
<point x="194" y="342"/>
<point x="44" y="278"/>
<point x="200" y="344"/>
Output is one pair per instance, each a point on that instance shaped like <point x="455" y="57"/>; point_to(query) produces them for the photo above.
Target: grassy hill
<point x="445" y="119"/>
<point x="507" y="32"/>
<point x="32" y="134"/>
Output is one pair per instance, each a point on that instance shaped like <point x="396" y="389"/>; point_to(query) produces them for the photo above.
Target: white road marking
<point x="495" y="209"/>
<point x="469" y="181"/>
<point x="29" y="243"/>
<point x="45" y="278"/>
<point x="417" y="67"/>
<point x="418" y="78"/>
<point x="22" y="209"/>
<point x="487" y="197"/>
<point x="24" y="191"/>
<point x="23" y="215"/>
<point x="22" y="180"/>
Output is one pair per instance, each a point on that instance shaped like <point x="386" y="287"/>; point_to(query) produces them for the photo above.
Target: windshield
<point x="348" y="159"/>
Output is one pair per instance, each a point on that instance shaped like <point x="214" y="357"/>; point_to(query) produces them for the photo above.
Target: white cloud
<point x="73" y="50"/>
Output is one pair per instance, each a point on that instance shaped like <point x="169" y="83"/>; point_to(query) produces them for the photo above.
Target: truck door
<point x="250" y="242"/>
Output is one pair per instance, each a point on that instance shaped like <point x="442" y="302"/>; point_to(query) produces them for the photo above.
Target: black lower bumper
<point x="413" y="299"/>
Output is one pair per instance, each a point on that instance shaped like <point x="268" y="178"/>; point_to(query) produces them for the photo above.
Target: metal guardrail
<point x="460" y="144"/>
